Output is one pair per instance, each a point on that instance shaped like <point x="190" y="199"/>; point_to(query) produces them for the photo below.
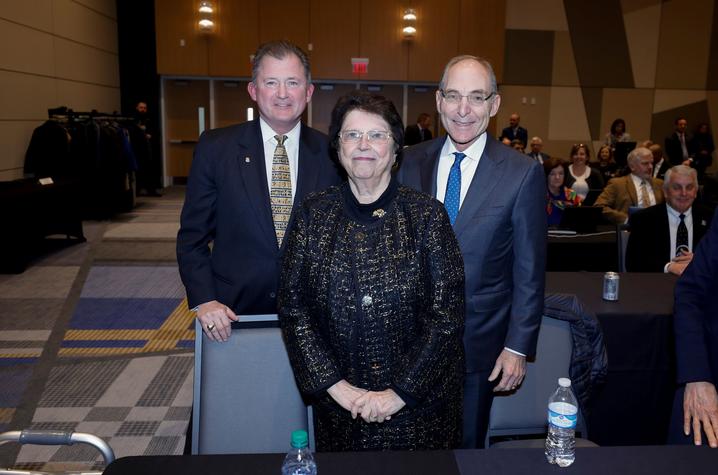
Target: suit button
<point x="366" y="300"/>
<point x="272" y="295"/>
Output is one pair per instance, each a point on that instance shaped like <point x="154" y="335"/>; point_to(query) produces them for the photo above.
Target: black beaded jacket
<point x="374" y="294"/>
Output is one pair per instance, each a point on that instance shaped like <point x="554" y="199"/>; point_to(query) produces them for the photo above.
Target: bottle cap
<point x="564" y="382"/>
<point x="299" y="439"/>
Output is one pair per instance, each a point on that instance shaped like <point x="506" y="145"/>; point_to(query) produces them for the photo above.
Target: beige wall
<point x="571" y="67"/>
<point x="53" y="53"/>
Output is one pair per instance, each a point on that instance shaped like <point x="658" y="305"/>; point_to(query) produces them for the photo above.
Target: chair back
<point x="523" y="412"/>
<point x="245" y="397"/>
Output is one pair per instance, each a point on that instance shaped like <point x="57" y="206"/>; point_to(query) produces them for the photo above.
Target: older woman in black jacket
<point x="372" y="297"/>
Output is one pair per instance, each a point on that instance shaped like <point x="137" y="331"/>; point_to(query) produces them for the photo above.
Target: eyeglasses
<point x="475" y="98"/>
<point x="372" y="136"/>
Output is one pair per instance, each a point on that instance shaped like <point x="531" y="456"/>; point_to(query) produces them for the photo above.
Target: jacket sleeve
<point x="311" y="358"/>
<point x="197" y="228"/>
<point x="607" y="201"/>
<point x="693" y="291"/>
<point x="439" y="345"/>
<point x="528" y="218"/>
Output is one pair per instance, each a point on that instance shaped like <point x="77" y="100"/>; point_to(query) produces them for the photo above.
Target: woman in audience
<point x="371" y="300"/>
<point x="617" y="134"/>
<point x="558" y="196"/>
<point x="582" y="178"/>
<point x="606" y="165"/>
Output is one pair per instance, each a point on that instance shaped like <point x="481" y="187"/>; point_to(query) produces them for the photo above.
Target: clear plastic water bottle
<point x="562" y="418"/>
<point x="299" y="459"/>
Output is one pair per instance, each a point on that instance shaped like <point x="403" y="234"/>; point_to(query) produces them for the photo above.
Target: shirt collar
<point x="676" y="215"/>
<point x="474" y="151"/>
<point x="268" y="133"/>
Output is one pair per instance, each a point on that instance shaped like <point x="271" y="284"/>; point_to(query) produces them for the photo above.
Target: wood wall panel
<point x="176" y="21"/>
<point x="231" y="101"/>
<point x="182" y="98"/>
<point x="334" y="36"/>
<point x="482" y="31"/>
<point x="236" y="38"/>
<point x="283" y="20"/>
<point x="34" y="13"/>
<point x="81" y="23"/>
<point x="436" y="39"/>
<point x="381" y="40"/>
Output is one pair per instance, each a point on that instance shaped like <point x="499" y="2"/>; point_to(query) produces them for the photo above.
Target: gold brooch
<point x="378" y="213"/>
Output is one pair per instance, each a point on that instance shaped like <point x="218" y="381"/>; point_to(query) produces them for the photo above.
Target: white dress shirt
<point x="674" y="219"/>
<point x="649" y="188"/>
<point x="468" y="166"/>
<point x="291" y="144"/>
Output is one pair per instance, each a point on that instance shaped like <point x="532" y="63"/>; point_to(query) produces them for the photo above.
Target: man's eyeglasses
<point x="372" y="136"/>
<point x="474" y="98"/>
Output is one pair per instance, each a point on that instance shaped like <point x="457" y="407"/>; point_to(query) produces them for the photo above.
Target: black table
<point x="634" y="406"/>
<point x="597" y="252"/>
<point x="653" y="460"/>
<point x="30" y="212"/>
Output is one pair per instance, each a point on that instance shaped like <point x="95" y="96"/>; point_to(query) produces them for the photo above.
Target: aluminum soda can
<point x="610" y="286"/>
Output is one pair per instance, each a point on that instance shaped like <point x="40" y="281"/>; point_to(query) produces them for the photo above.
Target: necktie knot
<point x="280" y="139"/>
<point x="682" y="216"/>
<point x="458" y="158"/>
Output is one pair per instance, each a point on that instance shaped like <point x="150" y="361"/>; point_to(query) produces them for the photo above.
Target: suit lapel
<point x="632" y="193"/>
<point x="487" y="176"/>
<point x="429" y="167"/>
<point x="663" y="240"/>
<point x="250" y="160"/>
<point x="308" y="172"/>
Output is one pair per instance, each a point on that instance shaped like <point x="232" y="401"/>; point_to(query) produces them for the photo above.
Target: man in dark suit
<point x="514" y="131"/>
<point x="536" y="152"/>
<point x="658" y="242"/>
<point x="679" y="145"/>
<point x="419" y="132"/>
<point x="242" y="185"/>
<point x="495" y="198"/>
<point x="660" y="164"/>
<point x="695" y="322"/>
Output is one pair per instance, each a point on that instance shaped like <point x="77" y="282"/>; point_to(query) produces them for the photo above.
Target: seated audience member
<point x="581" y="177"/>
<point x="558" y="196"/>
<point x="664" y="236"/>
<point x="617" y="134"/>
<point x="606" y="165"/>
<point x="518" y="145"/>
<point x="660" y="164"/>
<point x="536" y="145"/>
<point x="419" y="132"/>
<point x="637" y="189"/>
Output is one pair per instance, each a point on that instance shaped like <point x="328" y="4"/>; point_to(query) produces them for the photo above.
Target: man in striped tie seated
<point x="638" y="189"/>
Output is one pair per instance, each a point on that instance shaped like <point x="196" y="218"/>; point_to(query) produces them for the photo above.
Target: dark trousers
<point x="478" y="396"/>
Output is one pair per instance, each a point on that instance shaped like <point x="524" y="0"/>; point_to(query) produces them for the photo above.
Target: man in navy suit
<point x="231" y="194"/>
<point x="654" y="242"/>
<point x="495" y="198"/>
<point x="695" y="321"/>
<point x="514" y="131"/>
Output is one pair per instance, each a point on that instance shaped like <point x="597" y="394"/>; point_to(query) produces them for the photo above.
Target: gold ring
<point x="210" y="327"/>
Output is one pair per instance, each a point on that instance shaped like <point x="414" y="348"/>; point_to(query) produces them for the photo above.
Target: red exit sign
<point x="360" y="66"/>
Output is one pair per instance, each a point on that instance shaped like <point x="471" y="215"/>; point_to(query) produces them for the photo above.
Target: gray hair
<point x="467" y="57"/>
<point x="280" y="50"/>
<point x="638" y="153"/>
<point x="679" y="170"/>
<point x="536" y="139"/>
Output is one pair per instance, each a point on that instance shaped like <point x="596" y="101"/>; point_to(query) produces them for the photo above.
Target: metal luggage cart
<point x="49" y="437"/>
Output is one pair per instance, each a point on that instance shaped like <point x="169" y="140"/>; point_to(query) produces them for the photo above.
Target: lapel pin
<point x="247" y="159"/>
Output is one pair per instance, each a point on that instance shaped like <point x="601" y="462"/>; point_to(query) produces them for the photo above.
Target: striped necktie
<point x="280" y="195"/>
<point x="646" y="200"/>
